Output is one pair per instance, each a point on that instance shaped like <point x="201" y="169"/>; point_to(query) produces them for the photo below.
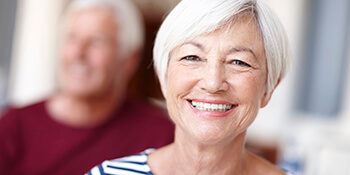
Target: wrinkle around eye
<point x="240" y="63"/>
<point x="190" y="58"/>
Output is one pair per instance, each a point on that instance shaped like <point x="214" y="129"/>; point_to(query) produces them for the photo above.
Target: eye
<point x="191" y="58"/>
<point x="240" y="63"/>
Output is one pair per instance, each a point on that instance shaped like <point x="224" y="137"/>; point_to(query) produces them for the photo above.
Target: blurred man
<point x="90" y="119"/>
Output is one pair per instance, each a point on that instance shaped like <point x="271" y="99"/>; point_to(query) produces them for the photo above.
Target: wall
<point x="8" y="10"/>
<point x="271" y="120"/>
<point x="34" y="51"/>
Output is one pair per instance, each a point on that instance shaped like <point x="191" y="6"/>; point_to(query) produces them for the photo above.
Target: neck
<point x="221" y="158"/>
<point x="83" y="112"/>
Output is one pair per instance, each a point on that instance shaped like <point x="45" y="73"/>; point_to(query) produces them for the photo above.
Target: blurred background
<point x="306" y="126"/>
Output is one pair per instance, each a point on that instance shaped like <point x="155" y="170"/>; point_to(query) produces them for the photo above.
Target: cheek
<point x="248" y="93"/>
<point x="178" y="86"/>
<point x="103" y="50"/>
<point x="177" y="80"/>
<point x="100" y="54"/>
<point x="174" y="88"/>
<point x="104" y="59"/>
<point x="250" y="87"/>
<point x="249" y="90"/>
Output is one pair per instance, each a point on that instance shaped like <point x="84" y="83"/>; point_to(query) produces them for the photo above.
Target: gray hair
<point x="191" y="18"/>
<point x="127" y="17"/>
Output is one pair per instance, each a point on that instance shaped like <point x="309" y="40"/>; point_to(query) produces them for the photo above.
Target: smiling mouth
<point x="210" y="106"/>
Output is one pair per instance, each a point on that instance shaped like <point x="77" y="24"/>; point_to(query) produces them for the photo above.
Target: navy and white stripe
<point x="131" y="165"/>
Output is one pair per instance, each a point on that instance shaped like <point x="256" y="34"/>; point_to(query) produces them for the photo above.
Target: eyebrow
<point x="200" y="46"/>
<point x="242" y="49"/>
<point x="232" y="50"/>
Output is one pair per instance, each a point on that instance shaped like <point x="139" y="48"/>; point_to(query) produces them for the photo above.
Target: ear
<point x="132" y="63"/>
<point x="267" y="95"/>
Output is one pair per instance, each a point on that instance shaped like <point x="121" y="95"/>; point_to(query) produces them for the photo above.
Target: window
<point x="7" y="23"/>
<point x="326" y="56"/>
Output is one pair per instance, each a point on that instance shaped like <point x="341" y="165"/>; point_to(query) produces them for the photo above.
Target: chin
<point x="210" y="135"/>
<point x="216" y="135"/>
<point x="80" y="92"/>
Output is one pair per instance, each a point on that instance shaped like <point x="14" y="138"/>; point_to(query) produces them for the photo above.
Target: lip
<point x="211" y="101"/>
<point x="214" y="114"/>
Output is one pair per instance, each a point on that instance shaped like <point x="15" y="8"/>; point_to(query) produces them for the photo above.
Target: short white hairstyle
<point x="130" y="30"/>
<point x="191" y="18"/>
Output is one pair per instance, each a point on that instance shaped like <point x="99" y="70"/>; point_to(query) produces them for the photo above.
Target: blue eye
<point x="191" y="58"/>
<point x="240" y="63"/>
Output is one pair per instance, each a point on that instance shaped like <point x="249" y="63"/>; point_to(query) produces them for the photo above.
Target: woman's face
<point x="216" y="83"/>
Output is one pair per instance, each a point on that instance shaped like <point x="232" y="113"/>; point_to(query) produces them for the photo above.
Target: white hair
<point x="130" y="30"/>
<point x="191" y="18"/>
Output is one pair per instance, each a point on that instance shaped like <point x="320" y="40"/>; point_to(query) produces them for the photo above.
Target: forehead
<point x="241" y="32"/>
<point x="98" y="18"/>
<point x="243" y="28"/>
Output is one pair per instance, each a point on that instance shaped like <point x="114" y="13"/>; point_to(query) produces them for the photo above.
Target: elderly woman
<point x="218" y="62"/>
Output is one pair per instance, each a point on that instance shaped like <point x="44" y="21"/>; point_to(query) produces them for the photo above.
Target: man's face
<point x="90" y="62"/>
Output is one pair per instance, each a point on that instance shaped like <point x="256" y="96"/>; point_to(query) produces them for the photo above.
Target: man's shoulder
<point x="16" y="113"/>
<point x="147" y="108"/>
<point x="148" y="117"/>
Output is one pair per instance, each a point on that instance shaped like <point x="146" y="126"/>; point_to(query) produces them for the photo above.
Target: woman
<point x="218" y="63"/>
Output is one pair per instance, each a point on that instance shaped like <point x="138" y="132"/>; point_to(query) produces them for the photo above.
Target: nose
<point x="81" y="50"/>
<point x="78" y="49"/>
<point x="214" y="79"/>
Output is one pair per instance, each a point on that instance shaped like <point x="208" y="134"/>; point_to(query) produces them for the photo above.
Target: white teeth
<point x="210" y="107"/>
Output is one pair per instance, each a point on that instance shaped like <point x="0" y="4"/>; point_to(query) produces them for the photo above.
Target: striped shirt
<point x="131" y="165"/>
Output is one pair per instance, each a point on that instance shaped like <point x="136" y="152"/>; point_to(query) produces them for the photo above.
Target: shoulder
<point x="25" y="110"/>
<point x="258" y="165"/>
<point x="146" y="113"/>
<point x="11" y="135"/>
<point x="134" y="164"/>
<point x="288" y="172"/>
<point x="13" y="118"/>
<point x="145" y="106"/>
